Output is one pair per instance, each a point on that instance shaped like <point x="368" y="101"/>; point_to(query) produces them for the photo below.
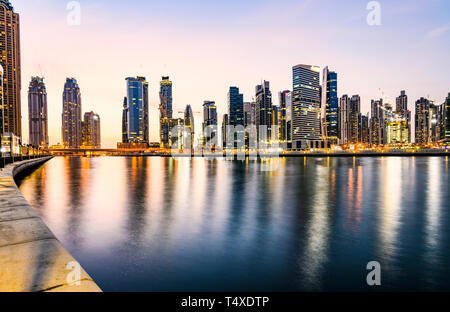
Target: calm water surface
<point x="160" y="224"/>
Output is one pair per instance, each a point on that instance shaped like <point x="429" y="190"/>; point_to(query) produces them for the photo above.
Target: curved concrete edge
<point x="31" y="258"/>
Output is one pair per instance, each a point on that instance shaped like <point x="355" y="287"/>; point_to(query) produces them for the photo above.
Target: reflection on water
<point x="163" y="224"/>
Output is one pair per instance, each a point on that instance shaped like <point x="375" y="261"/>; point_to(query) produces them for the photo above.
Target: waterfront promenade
<point x="31" y="258"/>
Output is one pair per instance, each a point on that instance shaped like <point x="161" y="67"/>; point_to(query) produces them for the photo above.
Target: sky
<point x="207" y="46"/>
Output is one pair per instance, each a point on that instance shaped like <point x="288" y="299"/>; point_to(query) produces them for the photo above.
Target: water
<point x="159" y="224"/>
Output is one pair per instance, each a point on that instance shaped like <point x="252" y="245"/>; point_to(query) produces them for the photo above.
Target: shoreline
<point x="32" y="259"/>
<point x="281" y="155"/>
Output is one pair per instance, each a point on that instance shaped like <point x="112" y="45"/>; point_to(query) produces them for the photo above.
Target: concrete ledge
<point x="31" y="257"/>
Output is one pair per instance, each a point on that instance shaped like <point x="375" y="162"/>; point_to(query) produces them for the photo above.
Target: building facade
<point x="447" y="118"/>
<point x="283" y="115"/>
<point x="235" y="107"/>
<point x="350" y="120"/>
<point x="125" y="121"/>
<point x="37" y="113"/>
<point x="403" y="112"/>
<point x="249" y="114"/>
<point x="91" y="131"/>
<point x="71" y="115"/>
<point x="209" y="119"/>
<point x="263" y="111"/>
<point x="2" y="118"/>
<point x="397" y="132"/>
<point x="329" y="106"/>
<point x="10" y="62"/>
<point x="225" y="123"/>
<point x="137" y="110"/>
<point x="422" y="121"/>
<point x="165" y="110"/>
<point x="364" y="131"/>
<point x="436" y="121"/>
<point x="306" y="102"/>
<point x="377" y="122"/>
<point x="189" y="123"/>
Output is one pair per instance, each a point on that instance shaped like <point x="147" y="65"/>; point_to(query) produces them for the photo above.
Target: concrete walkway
<point x="31" y="257"/>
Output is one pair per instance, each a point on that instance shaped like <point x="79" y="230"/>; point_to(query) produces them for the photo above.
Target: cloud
<point x="437" y="32"/>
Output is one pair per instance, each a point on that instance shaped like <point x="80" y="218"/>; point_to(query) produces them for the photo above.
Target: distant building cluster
<point x="312" y="116"/>
<point x="78" y="133"/>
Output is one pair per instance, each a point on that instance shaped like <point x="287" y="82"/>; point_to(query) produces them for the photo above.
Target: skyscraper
<point x="125" y="121"/>
<point x="71" y="115"/>
<point x="436" y="119"/>
<point x="283" y="114"/>
<point x="377" y="121"/>
<point x="403" y="112"/>
<point x="329" y="106"/>
<point x="37" y="113"/>
<point x="2" y="101"/>
<point x="137" y="106"/>
<point x="91" y="130"/>
<point x="350" y="119"/>
<point x="189" y="123"/>
<point x="447" y="117"/>
<point x="263" y="111"/>
<point x="225" y="124"/>
<point x="289" y="118"/>
<point x="209" y="119"/>
<point x="235" y="107"/>
<point x="422" y="121"/>
<point x="306" y="101"/>
<point x="10" y="61"/>
<point x="364" y="129"/>
<point x="249" y="113"/>
<point x="165" y="110"/>
<point x="354" y="119"/>
<point x="275" y="120"/>
<point x="344" y="103"/>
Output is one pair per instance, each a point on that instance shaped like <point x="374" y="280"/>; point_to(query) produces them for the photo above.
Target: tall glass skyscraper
<point x="377" y="122"/>
<point x="125" y="121"/>
<point x="165" y="110"/>
<point x="403" y="112"/>
<point x="2" y="101"/>
<point x="249" y="113"/>
<point x="37" y="113"/>
<point x="422" y="121"/>
<point x="283" y="114"/>
<point x="137" y="106"/>
<point x="71" y="115"/>
<point x="91" y="130"/>
<point x="10" y="61"/>
<point x="235" y="107"/>
<point x="447" y="117"/>
<point x="264" y="110"/>
<point x="306" y="101"/>
<point x="189" y="123"/>
<point x="209" y="119"/>
<point x="329" y="109"/>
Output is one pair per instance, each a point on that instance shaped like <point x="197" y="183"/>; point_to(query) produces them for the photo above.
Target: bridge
<point x="104" y="152"/>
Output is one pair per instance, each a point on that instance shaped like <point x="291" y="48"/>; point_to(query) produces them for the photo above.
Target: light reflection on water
<point x="161" y="224"/>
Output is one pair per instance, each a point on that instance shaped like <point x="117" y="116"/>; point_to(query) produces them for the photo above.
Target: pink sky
<point x="207" y="53"/>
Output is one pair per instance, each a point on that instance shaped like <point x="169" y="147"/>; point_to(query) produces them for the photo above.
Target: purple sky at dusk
<point x="207" y="46"/>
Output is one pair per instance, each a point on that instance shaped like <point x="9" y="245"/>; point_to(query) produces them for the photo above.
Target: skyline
<point x="210" y="53"/>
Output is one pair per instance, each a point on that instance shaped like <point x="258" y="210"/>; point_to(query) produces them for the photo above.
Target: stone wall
<point x="31" y="258"/>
